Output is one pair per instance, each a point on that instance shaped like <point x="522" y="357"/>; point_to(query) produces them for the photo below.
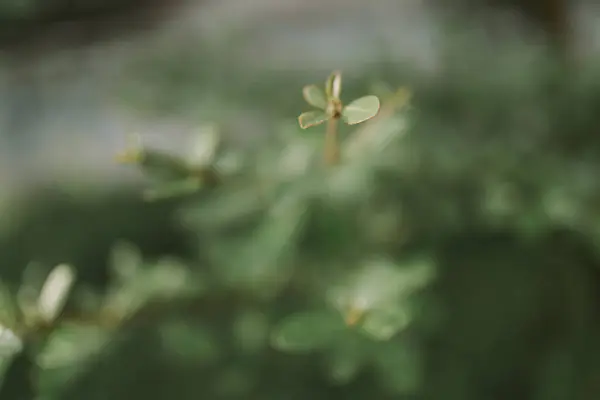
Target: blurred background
<point x="502" y="202"/>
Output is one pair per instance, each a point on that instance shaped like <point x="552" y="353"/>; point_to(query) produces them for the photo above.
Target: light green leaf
<point x="385" y="323"/>
<point x="314" y="96"/>
<point x="312" y="118"/>
<point x="307" y="331"/>
<point x="125" y="261"/>
<point x="10" y="343"/>
<point x="71" y="344"/>
<point x="361" y="110"/>
<point x="265" y="263"/>
<point x="333" y="86"/>
<point x="53" y="295"/>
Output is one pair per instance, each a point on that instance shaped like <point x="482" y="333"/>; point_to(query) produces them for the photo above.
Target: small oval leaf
<point x="307" y="331"/>
<point x="361" y="110"/>
<point x="315" y="96"/>
<point x="312" y="118"/>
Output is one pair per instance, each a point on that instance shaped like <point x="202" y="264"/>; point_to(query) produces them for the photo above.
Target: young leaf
<point x="361" y="110"/>
<point x="10" y="343"/>
<point x="312" y="118"/>
<point x="53" y="295"/>
<point x="333" y="86"/>
<point x="307" y="331"/>
<point x="174" y="189"/>
<point x="314" y="96"/>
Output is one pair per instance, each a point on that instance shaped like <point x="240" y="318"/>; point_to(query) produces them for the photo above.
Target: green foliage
<point x="308" y="331"/>
<point x="451" y="253"/>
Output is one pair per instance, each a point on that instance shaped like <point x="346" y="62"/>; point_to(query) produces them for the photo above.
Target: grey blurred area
<point x="63" y="116"/>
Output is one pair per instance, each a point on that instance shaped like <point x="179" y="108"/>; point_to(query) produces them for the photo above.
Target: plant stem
<point x="332" y="147"/>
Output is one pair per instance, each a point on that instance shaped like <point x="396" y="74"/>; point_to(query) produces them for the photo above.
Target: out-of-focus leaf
<point x="10" y="343"/>
<point x="375" y="296"/>
<point x="204" y="146"/>
<point x="177" y="188"/>
<point x="71" y="344"/>
<point x="315" y="96"/>
<point x="383" y="324"/>
<point x="361" y="110"/>
<point x="188" y="342"/>
<point x="224" y="208"/>
<point x="263" y="262"/>
<point x="55" y="292"/>
<point x="346" y="357"/>
<point x="312" y="118"/>
<point x="164" y="280"/>
<point x="307" y="331"/>
<point x="373" y="140"/>
<point x="125" y="262"/>
<point x="400" y="366"/>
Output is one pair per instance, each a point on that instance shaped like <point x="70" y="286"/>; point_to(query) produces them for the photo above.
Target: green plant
<point x="172" y="175"/>
<point x="331" y="109"/>
<point x="490" y="188"/>
<point x="370" y="299"/>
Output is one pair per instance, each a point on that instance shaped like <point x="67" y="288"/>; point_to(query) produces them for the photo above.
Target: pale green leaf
<point x="307" y="331"/>
<point x="203" y="146"/>
<point x="385" y="323"/>
<point x="361" y="110"/>
<point x="53" y="295"/>
<point x="314" y="96"/>
<point x="71" y="344"/>
<point x="380" y="285"/>
<point x="333" y="86"/>
<point x="10" y="343"/>
<point x="312" y="118"/>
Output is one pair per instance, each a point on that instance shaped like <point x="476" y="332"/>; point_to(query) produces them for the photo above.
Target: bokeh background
<point x="462" y="255"/>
